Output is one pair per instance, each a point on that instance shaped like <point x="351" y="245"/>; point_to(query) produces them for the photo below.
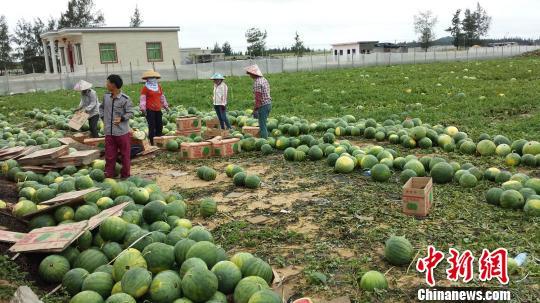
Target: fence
<point x="308" y="62"/>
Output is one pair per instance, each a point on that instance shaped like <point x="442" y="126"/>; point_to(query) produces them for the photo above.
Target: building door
<point x="71" y="59"/>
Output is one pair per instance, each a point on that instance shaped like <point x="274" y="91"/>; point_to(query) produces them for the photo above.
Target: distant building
<point x="390" y="48"/>
<point x="110" y="48"/>
<point x="353" y="48"/>
<point x="194" y="55"/>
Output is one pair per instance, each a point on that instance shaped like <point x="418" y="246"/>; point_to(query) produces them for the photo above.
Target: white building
<point x="353" y="48"/>
<point x="110" y="48"/>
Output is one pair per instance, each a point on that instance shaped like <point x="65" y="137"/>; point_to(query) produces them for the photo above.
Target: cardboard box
<point x="213" y="123"/>
<point x="195" y="150"/>
<point x="161" y="141"/>
<point x="94" y="141"/>
<point x="79" y="137"/>
<point x="215" y="132"/>
<point x="252" y="130"/>
<point x="417" y="196"/>
<point x="78" y="120"/>
<point x="191" y="122"/>
<point x="225" y="147"/>
<point x="189" y="133"/>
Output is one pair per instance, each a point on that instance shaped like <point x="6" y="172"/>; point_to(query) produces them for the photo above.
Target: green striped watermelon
<point x="166" y="287"/>
<point x="73" y="280"/>
<point x="181" y="248"/>
<point x="87" y="296"/>
<point x="136" y="282"/>
<point x="53" y="268"/>
<point x="131" y="258"/>
<point x="398" y="251"/>
<point x="90" y="259"/>
<point x="205" y="251"/>
<point x="228" y="275"/>
<point x="191" y="263"/>
<point x="120" y="298"/>
<point x="265" y="296"/>
<point x="258" y="267"/>
<point x="158" y="256"/>
<point x="113" y="229"/>
<point x="247" y="287"/>
<point x="100" y="282"/>
<point x="199" y="284"/>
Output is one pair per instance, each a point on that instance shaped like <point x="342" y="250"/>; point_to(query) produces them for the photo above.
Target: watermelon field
<point x="315" y="210"/>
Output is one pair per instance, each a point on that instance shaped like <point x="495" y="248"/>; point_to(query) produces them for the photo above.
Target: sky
<point x="319" y="22"/>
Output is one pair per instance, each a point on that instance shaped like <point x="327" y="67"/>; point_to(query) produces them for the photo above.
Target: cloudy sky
<point x="320" y="22"/>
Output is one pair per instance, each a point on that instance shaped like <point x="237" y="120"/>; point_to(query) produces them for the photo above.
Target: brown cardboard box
<point x="195" y="150"/>
<point x="161" y="141"/>
<point x="215" y="132"/>
<point x="79" y="137"/>
<point x="225" y="147"/>
<point x="417" y="196"/>
<point x="191" y="122"/>
<point x="213" y="123"/>
<point x="252" y="130"/>
<point x="189" y="133"/>
<point x="94" y="141"/>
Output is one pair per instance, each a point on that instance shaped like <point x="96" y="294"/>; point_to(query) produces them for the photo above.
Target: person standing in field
<point x="152" y="100"/>
<point x="116" y="110"/>
<point x="263" y="101"/>
<point x="220" y="100"/>
<point x="89" y="104"/>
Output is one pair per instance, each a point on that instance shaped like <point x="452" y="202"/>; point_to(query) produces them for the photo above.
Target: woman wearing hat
<point x="220" y="100"/>
<point x="263" y="101"/>
<point x="89" y="103"/>
<point x="152" y="100"/>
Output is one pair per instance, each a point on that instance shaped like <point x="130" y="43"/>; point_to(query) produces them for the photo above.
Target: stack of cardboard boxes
<point x="213" y="129"/>
<point x="188" y="126"/>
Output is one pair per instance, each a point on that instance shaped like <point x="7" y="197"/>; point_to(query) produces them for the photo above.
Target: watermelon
<point x="136" y="282"/>
<point x="154" y="211"/>
<point x="107" y="268"/>
<point x="380" y="173"/>
<point x="528" y="160"/>
<point x="83" y="182"/>
<point x="315" y="153"/>
<point x="512" y="184"/>
<point x="503" y="176"/>
<point x="344" y="165"/>
<point x="486" y="148"/>
<point x="139" y="195"/>
<point x="531" y="147"/>
<point x="406" y="175"/>
<point x="199" y="233"/>
<point x="468" y="180"/>
<point x="44" y="194"/>
<point x="165" y="287"/>
<point x="85" y="212"/>
<point x="533" y="183"/>
<point x="512" y="159"/>
<point x="503" y="150"/>
<point x="87" y="296"/>
<point x="73" y="280"/>
<point x="100" y="282"/>
<point x="398" y="251"/>
<point x="265" y="296"/>
<point x="258" y="267"/>
<point x="24" y="207"/>
<point x="512" y="199"/>
<point x="199" y="284"/>
<point x="64" y="213"/>
<point x="181" y="248"/>
<point x="532" y="208"/>
<point x="252" y="181"/>
<point x="131" y="258"/>
<point x="172" y="145"/>
<point x="111" y="250"/>
<point x="90" y="259"/>
<point x="241" y="259"/>
<point x="239" y="179"/>
<point x="493" y="195"/>
<point x="120" y="298"/>
<point x="45" y="220"/>
<point x="53" y="268"/>
<point x="119" y="189"/>
<point x="228" y="275"/>
<point x="190" y="264"/>
<point x="205" y="251"/>
<point x="266" y="149"/>
<point x="208" y="207"/>
<point x="84" y="241"/>
<point x="232" y="170"/>
<point x="113" y="229"/>
<point x="442" y="172"/>
<point x="415" y="166"/>
<point x="158" y="256"/>
<point x="372" y="280"/>
<point x="176" y="208"/>
<point x="70" y="253"/>
<point x="368" y="162"/>
<point x="247" y="287"/>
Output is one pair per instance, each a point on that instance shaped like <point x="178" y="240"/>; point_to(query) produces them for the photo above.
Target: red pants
<point x="114" y="145"/>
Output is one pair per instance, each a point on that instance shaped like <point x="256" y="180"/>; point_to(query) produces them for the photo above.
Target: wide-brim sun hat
<point x="151" y="74"/>
<point x="254" y="70"/>
<point x="82" y="85"/>
<point x="217" y="76"/>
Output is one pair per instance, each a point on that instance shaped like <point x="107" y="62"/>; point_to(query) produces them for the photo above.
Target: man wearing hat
<point x="89" y="103"/>
<point x="151" y="102"/>
<point x="263" y="101"/>
<point x="220" y="100"/>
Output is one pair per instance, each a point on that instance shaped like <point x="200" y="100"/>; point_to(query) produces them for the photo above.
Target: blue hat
<point x="217" y="76"/>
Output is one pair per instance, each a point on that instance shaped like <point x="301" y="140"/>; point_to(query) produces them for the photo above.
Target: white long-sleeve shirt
<point x="220" y="94"/>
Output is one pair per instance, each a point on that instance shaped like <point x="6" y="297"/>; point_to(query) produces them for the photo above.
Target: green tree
<point x="81" y="13"/>
<point x="136" y="19"/>
<point x="256" y="40"/>
<point x="29" y="48"/>
<point x="455" y="29"/>
<point x="483" y="21"/>
<point x="5" y="47"/>
<point x="424" y="22"/>
<point x="227" y="49"/>
<point x="217" y="49"/>
<point x="298" y="47"/>
<point x="469" y="28"/>
<point x="475" y="25"/>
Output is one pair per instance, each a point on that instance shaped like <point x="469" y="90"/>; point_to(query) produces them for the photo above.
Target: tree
<point x="483" y="21"/>
<point x="455" y="29"/>
<point x="136" y="19"/>
<point x="256" y="40"/>
<point x="469" y="27"/>
<point x="226" y="48"/>
<point x="216" y="49"/>
<point x="81" y="13"/>
<point x="475" y="25"/>
<point x="298" y="48"/>
<point x="424" y="22"/>
<point x="29" y="48"/>
<point x="5" y="47"/>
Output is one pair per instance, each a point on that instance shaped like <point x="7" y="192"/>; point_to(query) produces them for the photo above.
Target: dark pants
<point x="155" y="124"/>
<point x="263" y="112"/>
<point x="115" y="145"/>
<point x="221" y="111"/>
<point x="93" y="122"/>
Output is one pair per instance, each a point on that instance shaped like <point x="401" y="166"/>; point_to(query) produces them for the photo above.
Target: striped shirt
<point x="261" y="90"/>
<point x="220" y="94"/>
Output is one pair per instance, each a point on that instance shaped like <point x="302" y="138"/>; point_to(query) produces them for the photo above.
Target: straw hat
<point x="254" y="70"/>
<point x="151" y="74"/>
<point x="217" y="76"/>
<point x="82" y="85"/>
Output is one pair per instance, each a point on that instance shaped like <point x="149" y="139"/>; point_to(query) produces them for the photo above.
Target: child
<point x="152" y="100"/>
<point x="220" y="100"/>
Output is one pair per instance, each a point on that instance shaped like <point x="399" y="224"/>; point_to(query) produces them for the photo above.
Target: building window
<point x="341" y="52"/>
<point x="107" y="53"/>
<point x="335" y="52"/>
<point x="78" y="51"/>
<point x="154" y="52"/>
<point x="62" y="56"/>
<point x="348" y="52"/>
<point x="354" y="51"/>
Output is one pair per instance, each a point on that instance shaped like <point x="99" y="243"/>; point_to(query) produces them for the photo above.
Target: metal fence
<point x="307" y="62"/>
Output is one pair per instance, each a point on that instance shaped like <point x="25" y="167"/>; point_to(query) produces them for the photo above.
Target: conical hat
<point x="217" y="76"/>
<point x="82" y="85"/>
<point x="254" y="70"/>
<point x="151" y="74"/>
